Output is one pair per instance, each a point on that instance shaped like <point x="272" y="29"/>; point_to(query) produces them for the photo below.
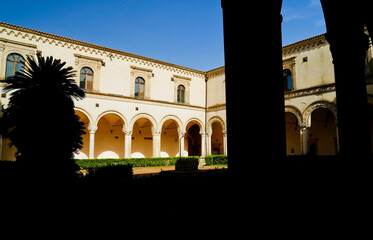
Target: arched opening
<point x="193" y="141"/>
<point x="170" y="138"/>
<point x="142" y="137"/>
<point x="293" y="146"/>
<point x="83" y="118"/>
<point x="217" y="139"/>
<point x="323" y="137"/>
<point x="109" y="135"/>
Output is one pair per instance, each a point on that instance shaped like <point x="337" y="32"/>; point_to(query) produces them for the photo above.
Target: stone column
<point x="208" y="139"/>
<point x="92" y="131"/>
<point x="203" y="143"/>
<point x="348" y="45"/>
<point x="127" y="142"/>
<point x="225" y="142"/>
<point x="267" y="27"/>
<point x="181" y="142"/>
<point x="156" y="143"/>
<point x="305" y="138"/>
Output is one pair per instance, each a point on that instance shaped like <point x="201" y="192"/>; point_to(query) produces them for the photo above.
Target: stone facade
<point x="134" y="107"/>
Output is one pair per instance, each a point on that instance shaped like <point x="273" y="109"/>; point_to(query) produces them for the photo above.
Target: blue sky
<point x="183" y="32"/>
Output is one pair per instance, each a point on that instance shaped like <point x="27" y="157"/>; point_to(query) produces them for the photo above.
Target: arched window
<point x="14" y="63"/>
<point x="139" y="87"/>
<point x="181" y="94"/>
<point x="288" y="80"/>
<point x="86" y="79"/>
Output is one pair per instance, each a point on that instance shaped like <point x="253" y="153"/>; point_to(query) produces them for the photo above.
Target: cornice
<point x="217" y="107"/>
<point x="36" y="35"/>
<point x="215" y="72"/>
<point x="118" y="97"/>
<point x="310" y="91"/>
<point x="304" y="44"/>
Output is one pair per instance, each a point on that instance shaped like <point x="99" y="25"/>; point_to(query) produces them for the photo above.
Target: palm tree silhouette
<point x="40" y="118"/>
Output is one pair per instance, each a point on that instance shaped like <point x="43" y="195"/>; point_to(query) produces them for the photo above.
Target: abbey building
<point x="141" y="107"/>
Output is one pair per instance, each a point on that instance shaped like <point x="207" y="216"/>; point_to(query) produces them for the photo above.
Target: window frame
<point x="181" y="93"/>
<point x="14" y="63"/>
<point x="86" y="74"/>
<point x="139" y="84"/>
<point x="287" y="76"/>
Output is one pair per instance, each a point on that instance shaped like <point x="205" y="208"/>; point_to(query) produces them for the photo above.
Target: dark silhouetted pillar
<point x="254" y="84"/>
<point x="348" y="45"/>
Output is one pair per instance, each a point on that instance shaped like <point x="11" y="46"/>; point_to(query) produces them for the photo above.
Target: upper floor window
<point x="14" y="63"/>
<point x="288" y="80"/>
<point x="139" y="87"/>
<point x="86" y="79"/>
<point x="181" y="94"/>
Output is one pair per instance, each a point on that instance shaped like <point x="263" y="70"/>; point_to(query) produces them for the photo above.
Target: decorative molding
<point x="180" y="78"/>
<point x="5" y="40"/>
<point x="215" y="72"/>
<point x="39" y="36"/>
<point x="217" y="107"/>
<point x="185" y="81"/>
<point x="303" y="45"/>
<point x="141" y="69"/>
<point x="310" y="91"/>
<point x="90" y="58"/>
<point x="319" y="104"/>
<point x="117" y="97"/>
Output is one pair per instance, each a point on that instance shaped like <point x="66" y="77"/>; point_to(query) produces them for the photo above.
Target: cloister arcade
<point x="313" y="132"/>
<point x="112" y="136"/>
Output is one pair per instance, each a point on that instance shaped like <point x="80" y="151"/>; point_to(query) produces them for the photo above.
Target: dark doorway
<point x="194" y="141"/>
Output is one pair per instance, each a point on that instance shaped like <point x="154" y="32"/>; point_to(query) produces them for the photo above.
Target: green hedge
<point x="135" y="162"/>
<point x="216" y="160"/>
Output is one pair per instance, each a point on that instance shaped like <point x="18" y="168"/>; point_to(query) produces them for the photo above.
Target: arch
<point x="146" y="116"/>
<point x="86" y="113"/>
<point x="109" y="134"/>
<point x="293" y="133"/>
<point x="215" y="119"/>
<point x="86" y="118"/>
<point x="323" y="133"/>
<point x="197" y="121"/>
<point x="295" y="111"/>
<point x="170" y="129"/>
<point x="111" y="112"/>
<point x="319" y="104"/>
<point x="171" y="117"/>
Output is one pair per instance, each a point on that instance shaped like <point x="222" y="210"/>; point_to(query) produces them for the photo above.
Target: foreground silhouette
<point x="40" y="120"/>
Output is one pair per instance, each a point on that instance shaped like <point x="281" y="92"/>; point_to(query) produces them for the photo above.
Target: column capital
<point x="156" y="132"/>
<point x="92" y="129"/>
<point x="303" y="125"/>
<point x="127" y="131"/>
<point x="181" y="133"/>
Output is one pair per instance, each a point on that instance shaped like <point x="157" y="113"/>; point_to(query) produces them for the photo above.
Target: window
<point x="181" y="94"/>
<point x="288" y="80"/>
<point x="14" y="63"/>
<point x="139" y="87"/>
<point x="86" y="79"/>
